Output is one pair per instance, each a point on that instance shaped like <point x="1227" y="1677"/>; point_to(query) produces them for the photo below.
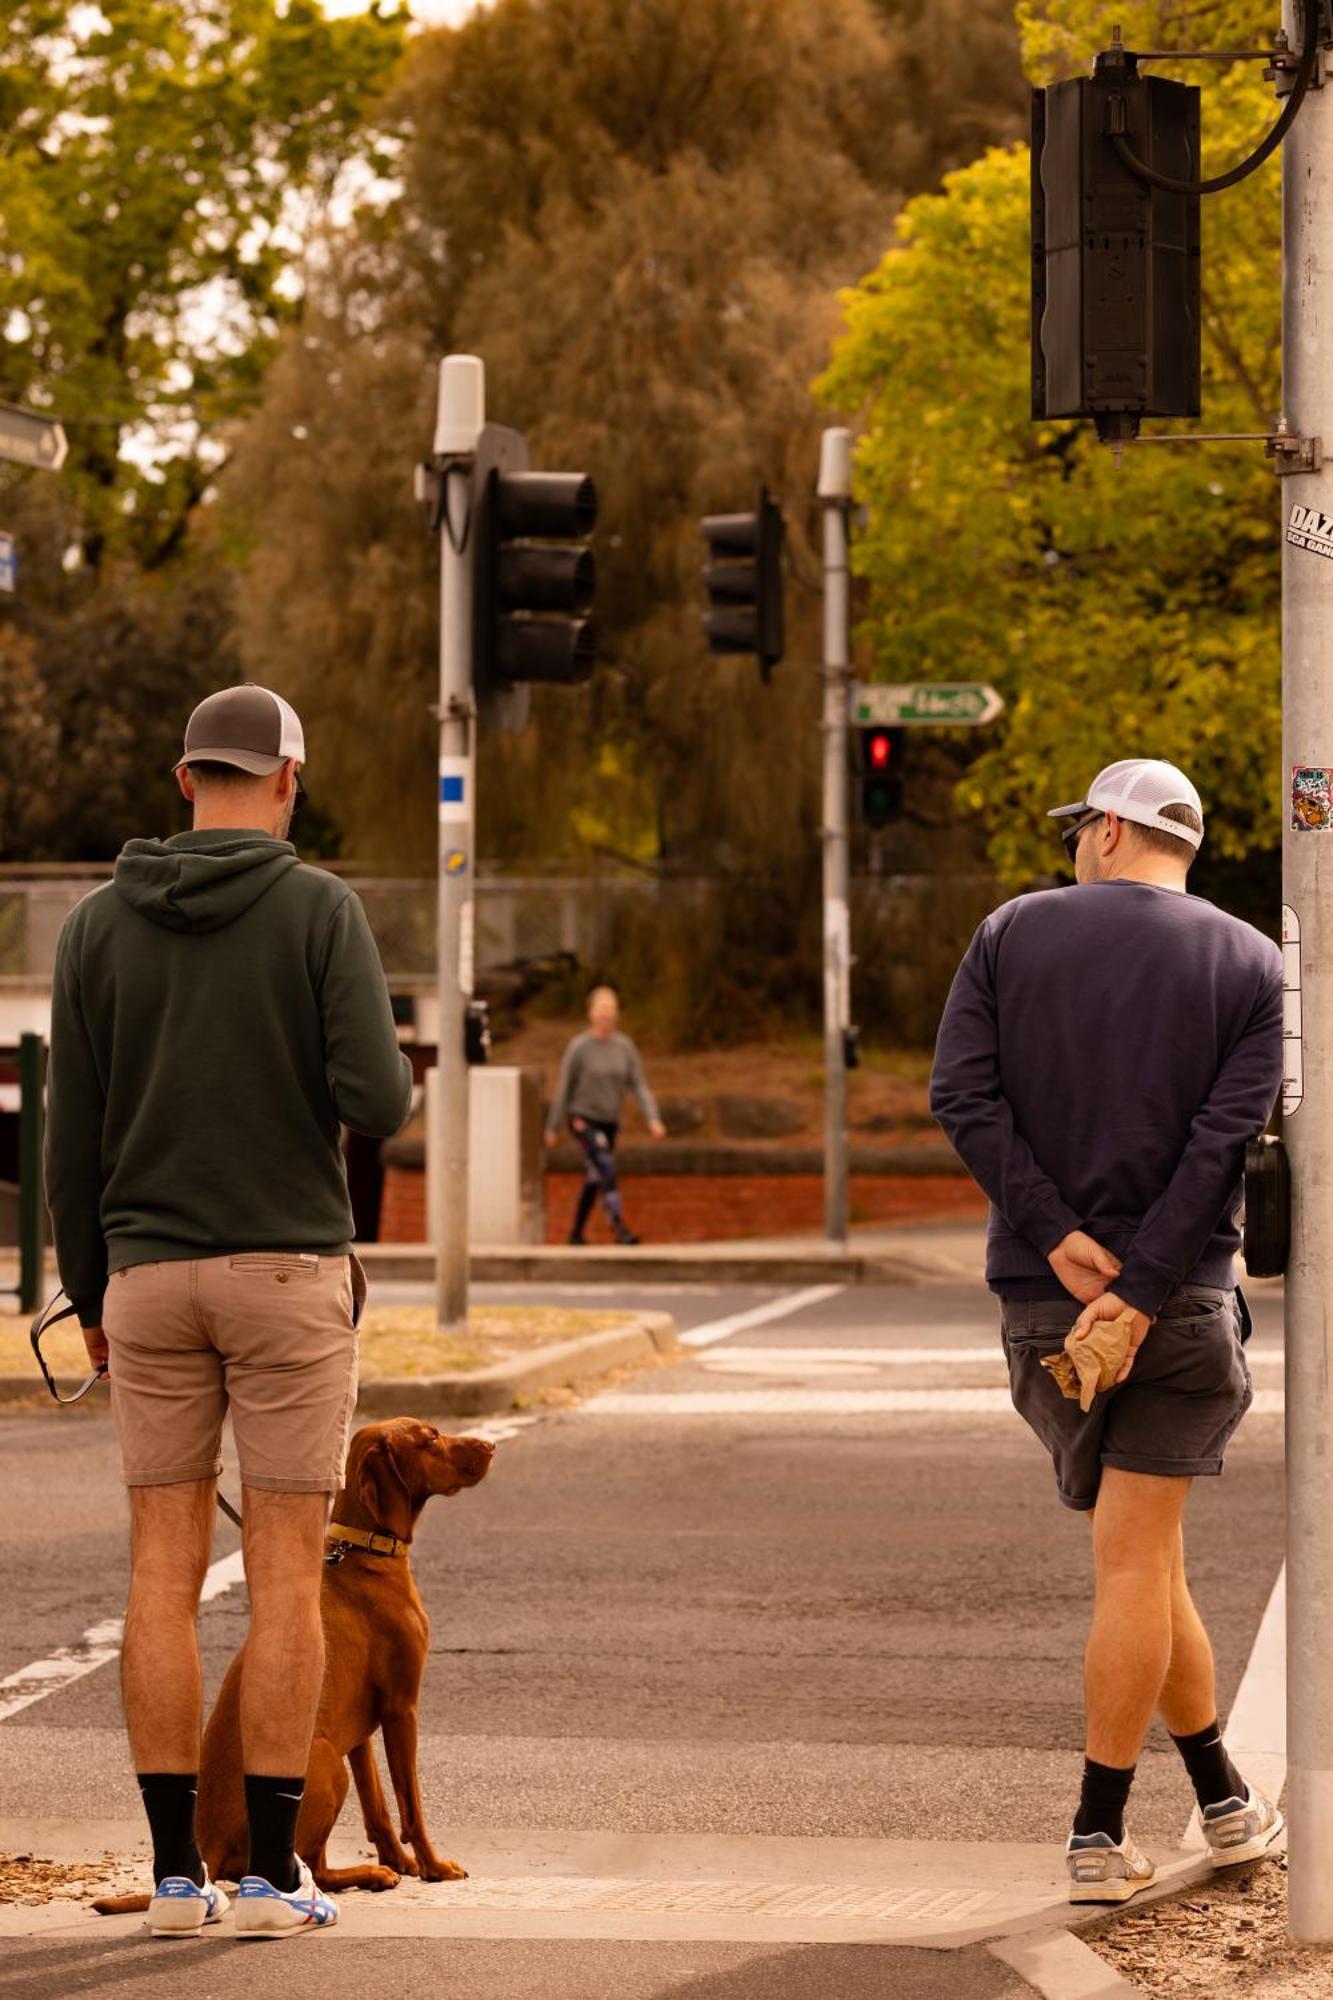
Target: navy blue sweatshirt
<point x="1105" y="1053"/>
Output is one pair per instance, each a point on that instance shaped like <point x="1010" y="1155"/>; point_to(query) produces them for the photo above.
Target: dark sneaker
<point x="1241" y="1829"/>
<point x="1102" y="1870"/>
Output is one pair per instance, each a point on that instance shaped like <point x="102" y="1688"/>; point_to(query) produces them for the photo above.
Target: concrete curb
<point x="1059" y="1966"/>
<point x="563" y="1365"/>
<point x="552" y="1263"/>
<point x="481" y="1391"/>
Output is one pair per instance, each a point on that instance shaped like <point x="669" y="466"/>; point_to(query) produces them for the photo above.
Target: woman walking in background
<point x="599" y="1066"/>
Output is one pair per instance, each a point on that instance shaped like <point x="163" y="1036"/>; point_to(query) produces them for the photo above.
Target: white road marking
<point x="754" y="1359"/>
<point x="832" y="1403"/>
<point x="99" y="1644"/>
<point x="722" y="1329"/>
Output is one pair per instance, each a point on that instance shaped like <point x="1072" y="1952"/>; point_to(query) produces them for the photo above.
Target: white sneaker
<point x="1241" y="1829"/>
<point x="263" y="1911"/>
<point x="180" y="1908"/>
<point x="1102" y="1870"/>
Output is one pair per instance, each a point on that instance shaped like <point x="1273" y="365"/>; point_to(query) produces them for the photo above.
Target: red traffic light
<point x="879" y="749"/>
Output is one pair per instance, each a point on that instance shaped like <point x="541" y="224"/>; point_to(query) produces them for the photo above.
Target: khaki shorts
<point x="269" y="1335"/>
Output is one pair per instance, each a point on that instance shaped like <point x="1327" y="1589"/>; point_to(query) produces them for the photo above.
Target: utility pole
<point x="448" y="483"/>
<point x="835" y="496"/>
<point x="1307" y="894"/>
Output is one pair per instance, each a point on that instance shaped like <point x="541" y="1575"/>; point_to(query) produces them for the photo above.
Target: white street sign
<point x="8" y="563"/>
<point x="924" y="702"/>
<point x="27" y="438"/>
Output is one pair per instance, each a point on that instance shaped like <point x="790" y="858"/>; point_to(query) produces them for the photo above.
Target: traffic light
<point x="1115" y="261"/>
<point x="881" y="776"/>
<point x="743" y="582"/>
<point x="533" y="574"/>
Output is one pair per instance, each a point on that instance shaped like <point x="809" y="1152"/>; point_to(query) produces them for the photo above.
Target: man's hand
<point x="1108" y="1306"/>
<point x="658" y="1129"/>
<point x="99" y="1353"/>
<point x="553" y="1140"/>
<point x="1083" y="1267"/>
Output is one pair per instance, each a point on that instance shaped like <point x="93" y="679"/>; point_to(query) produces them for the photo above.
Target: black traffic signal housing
<point x="880" y="772"/>
<point x="533" y="575"/>
<point x="743" y="582"/>
<point x="1115" y="262"/>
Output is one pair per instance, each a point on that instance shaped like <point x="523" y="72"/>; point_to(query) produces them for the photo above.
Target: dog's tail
<point x="120" y="1906"/>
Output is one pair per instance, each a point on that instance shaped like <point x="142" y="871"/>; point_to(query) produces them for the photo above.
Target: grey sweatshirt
<point x="1105" y="1053"/>
<point x="596" y="1072"/>
<point x="217" y="1011"/>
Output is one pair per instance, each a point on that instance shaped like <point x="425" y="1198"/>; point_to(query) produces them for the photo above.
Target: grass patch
<point x="395" y="1341"/>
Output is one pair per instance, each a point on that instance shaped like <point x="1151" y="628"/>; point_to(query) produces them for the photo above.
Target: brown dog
<point x="375" y="1634"/>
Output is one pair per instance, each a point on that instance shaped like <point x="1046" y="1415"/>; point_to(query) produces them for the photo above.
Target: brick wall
<point x="698" y="1208"/>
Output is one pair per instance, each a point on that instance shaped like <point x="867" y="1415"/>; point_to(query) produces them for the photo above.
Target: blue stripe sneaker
<point x="178" y="1907"/>
<point x="263" y="1911"/>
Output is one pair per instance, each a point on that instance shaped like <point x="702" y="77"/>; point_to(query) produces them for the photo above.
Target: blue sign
<point x="9" y="563"/>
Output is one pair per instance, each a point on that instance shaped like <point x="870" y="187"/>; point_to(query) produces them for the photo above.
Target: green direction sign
<point x="923" y="702"/>
<point x="28" y="438"/>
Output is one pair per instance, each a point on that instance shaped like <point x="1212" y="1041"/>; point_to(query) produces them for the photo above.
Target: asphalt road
<point x="750" y="1594"/>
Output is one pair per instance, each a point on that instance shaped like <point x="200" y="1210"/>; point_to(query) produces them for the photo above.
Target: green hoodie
<point x="218" y="1010"/>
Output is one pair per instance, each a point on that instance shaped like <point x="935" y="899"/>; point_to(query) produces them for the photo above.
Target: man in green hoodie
<point x="218" y="1013"/>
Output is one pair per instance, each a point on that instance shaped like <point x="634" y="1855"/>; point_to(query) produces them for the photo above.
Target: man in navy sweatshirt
<point x="1105" y="1053"/>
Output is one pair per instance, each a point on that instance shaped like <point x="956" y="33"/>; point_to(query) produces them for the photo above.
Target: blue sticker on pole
<point x="453" y="788"/>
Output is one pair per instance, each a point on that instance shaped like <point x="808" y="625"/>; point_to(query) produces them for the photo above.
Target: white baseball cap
<point x="1137" y="788"/>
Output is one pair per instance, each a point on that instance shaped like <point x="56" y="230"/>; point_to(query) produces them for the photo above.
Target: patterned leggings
<point x="597" y="1142"/>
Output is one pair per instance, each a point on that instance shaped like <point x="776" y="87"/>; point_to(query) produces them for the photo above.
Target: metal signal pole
<point x="460" y="416"/>
<point x="1307" y="892"/>
<point x="835" y="496"/>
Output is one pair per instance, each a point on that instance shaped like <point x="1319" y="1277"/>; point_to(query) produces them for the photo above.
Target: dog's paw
<point x="444" y="1871"/>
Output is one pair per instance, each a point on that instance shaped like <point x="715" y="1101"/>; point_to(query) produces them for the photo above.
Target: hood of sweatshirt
<point x="201" y="881"/>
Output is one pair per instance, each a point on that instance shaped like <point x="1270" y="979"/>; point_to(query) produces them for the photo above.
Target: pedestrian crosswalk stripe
<point x="830" y="1403"/>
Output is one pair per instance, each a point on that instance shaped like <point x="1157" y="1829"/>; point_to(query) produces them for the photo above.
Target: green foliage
<point x="161" y="162"/>
<point x="1121" y="611"/>
<point x="637" y="214"/>
<point x="164" y="163"/>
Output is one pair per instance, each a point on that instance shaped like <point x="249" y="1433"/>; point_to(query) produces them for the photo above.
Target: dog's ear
<point x="383" y="1491"/>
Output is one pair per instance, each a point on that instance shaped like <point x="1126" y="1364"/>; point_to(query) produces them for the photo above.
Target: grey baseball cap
<point x="249" y="727"/>
<point x="1137" y="788"/>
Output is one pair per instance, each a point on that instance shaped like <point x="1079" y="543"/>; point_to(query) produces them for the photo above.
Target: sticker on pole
<point x="453" y="789"/>
<point x="1311" y="799"/>
<point x="1293" y="1045"/>
<point x="1307" y="528"/>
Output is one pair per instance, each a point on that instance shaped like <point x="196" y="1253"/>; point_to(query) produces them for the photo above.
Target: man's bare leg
<point x="284" y="1652"/>
<point x="1136" y="1537"/>
<point x="171" y="1533"/>
<point x="171" y="1536"/>
<point x="283" y="1669"/>
<point x="1188" y="1701"/>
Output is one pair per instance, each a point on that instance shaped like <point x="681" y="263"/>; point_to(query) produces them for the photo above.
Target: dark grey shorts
<point x="1189" y="1388"/>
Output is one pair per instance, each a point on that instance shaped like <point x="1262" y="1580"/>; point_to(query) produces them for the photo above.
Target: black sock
<point x="1102" y="1806"/>
<point x="1212" y="1773"/>
<point x="271" y="1806"/>
<point x="168" y="1799"/>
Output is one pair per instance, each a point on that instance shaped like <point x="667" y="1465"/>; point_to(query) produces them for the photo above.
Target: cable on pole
<point x="1304" y="75"/>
